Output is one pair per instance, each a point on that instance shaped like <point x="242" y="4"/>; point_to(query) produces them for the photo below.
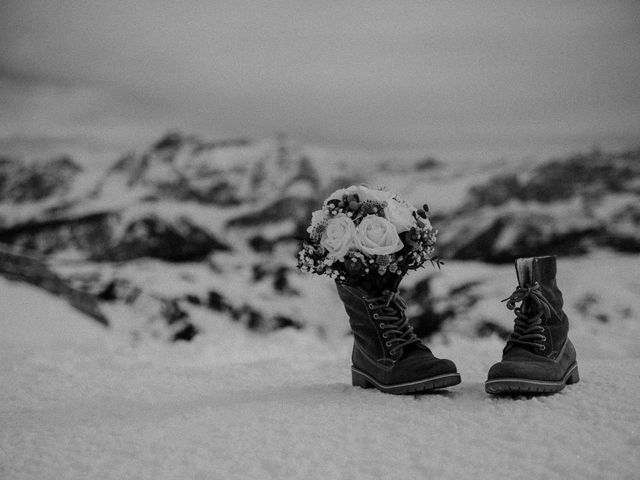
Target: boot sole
<point x="516" y="386"/>
<point x="361" y="379"/>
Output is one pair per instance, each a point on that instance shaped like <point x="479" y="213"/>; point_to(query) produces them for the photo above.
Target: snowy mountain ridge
<point x="219" y="218"/>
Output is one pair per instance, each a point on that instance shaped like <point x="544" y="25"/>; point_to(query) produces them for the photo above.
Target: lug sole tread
<point x="516" y="386"/>
<point x="361" y="379"/>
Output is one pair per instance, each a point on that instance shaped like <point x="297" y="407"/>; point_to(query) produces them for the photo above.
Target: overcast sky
<point x="449" y="78"/>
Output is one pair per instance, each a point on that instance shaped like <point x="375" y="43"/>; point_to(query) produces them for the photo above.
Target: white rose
<point x="400" y="214"/>
<point x="377" y="236"/>
<point x="338" y="237"/>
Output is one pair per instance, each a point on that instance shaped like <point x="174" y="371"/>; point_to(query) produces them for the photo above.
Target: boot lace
<point x="396" y="329"/>
<point x="528" y="329"/>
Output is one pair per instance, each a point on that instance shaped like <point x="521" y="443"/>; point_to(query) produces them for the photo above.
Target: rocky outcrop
<point x="111" y="236"/>
<point x="46" y="237"/>
<point x="162" y="318"/>
<point x="22" y="182"/>
<point x="178" y="240"/>
<point x="177" y="167"/>
<point x="275" y="179"/>
<point x="563" y="206"/>
<point x="593" y="175"/>
<point x="15" y="266"/>
<point x="226" y="173"/>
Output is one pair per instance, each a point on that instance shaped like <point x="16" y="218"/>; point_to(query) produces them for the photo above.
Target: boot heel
<point x="574" y="377"/>
<point x="359" y="380"/>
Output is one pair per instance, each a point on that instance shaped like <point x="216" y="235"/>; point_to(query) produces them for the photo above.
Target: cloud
<point x="437" y="76"/>
<point x="58" y="112"/>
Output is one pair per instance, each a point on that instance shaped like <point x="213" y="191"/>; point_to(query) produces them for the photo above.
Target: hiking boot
<point x="538" y="356"/>
<point x="387" y="355"/>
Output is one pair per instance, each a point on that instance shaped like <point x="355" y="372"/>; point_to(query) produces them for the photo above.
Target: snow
<point x="27" y="319"/>
<point x="78" y="401"/>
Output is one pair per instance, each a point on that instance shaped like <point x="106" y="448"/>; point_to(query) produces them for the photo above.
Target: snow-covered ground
<point x="81" y="402"/>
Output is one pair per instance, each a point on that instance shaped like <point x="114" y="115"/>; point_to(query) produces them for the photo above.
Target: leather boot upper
<point x="538" y="347"/>
<point x="385" y="346"/>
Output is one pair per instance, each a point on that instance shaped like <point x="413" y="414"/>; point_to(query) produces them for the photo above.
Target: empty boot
<point x="538" y="356"/>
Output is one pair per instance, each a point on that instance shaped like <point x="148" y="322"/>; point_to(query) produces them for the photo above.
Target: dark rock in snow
<point x="98" y="236"/>
<point x="152" y="236"/>
<point x="109" y="293"/>
<point x="286" y="322"/>
<point x="22" y="182"/>
<point x="594" y="175"/>
<point x="193" y="299"/>
<point x="217" y="302"/>
<point x="428" y="313"/>
<point x="15" y="266"/>
<point x="172" y="312"/>
<point x="186" y="333"/>
<point x="86" y="233"/>
<point x="510" y="235"/>
<point x="427" y="163"/>
<point x="281" y="282"/>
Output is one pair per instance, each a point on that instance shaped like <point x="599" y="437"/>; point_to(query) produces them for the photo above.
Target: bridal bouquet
<point x="367" y="238"/>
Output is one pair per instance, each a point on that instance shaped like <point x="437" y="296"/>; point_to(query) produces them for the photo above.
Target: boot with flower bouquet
<point x="367" y="240"/>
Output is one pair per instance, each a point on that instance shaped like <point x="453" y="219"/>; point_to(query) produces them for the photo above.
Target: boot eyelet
<point x="375" y="315"/>
<point x="381" y="325"/>
<point x="542" y="348"/>
<point x="544" y="339"/>
<point x="370" y="306"/>
<point x="388" y="344"/>
<point x="384" y="335"/>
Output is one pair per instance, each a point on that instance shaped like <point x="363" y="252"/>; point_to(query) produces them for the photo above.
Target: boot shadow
<point x="441" y="392"/>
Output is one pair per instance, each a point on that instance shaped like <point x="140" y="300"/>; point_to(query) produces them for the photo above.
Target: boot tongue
<point x="524" y="271"/>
